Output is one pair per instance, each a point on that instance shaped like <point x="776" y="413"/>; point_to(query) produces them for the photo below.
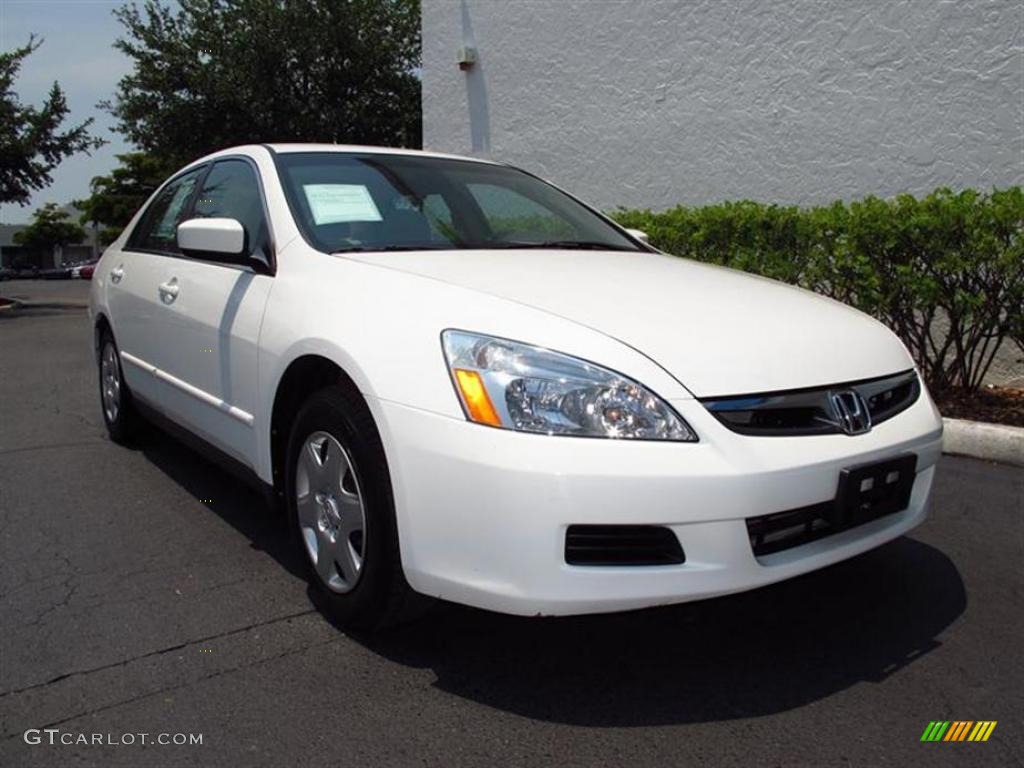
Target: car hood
<point x="718" y="331"/>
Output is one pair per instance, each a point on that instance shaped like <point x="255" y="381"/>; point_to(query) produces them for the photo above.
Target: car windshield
<point x="379" y="202"/>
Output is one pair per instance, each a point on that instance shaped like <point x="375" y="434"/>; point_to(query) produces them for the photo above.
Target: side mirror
<point x="216" y="239"/>
<point x="640" y="235"/>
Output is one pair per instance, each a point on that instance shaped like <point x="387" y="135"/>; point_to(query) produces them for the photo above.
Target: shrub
<point x="945" y="272"/>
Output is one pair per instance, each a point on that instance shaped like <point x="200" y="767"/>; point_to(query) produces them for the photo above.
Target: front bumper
<point x="483" y="512"/>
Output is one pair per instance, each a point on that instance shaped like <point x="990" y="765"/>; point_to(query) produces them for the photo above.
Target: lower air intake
<point x="618" y="545"/>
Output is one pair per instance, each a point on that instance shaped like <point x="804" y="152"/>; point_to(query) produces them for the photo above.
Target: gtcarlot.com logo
<point x="958" y="730"/>
<point x="55" y="737"/>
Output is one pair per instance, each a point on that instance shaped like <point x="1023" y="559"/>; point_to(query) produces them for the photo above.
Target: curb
<point x="18" y="304"/>
<point x="992" y="442"/>
<point x="54" y="305"/>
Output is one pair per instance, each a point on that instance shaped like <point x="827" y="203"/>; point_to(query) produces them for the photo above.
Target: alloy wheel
<point x="331" y="515"/>
<point x="110" y="382"/>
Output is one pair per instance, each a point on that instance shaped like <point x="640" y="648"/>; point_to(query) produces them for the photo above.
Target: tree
<point x="31" y="142"/>
<point x="115" y="198"/>
<point x="217" y="73"/>
<point x="50" y="227"/>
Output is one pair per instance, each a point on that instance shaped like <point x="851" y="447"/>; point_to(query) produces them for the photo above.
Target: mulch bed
<point x="998" y="405"/>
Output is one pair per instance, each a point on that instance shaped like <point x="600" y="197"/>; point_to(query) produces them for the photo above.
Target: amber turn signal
<point x="474" y="395"/>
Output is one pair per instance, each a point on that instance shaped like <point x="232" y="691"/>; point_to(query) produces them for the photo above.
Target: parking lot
<point x="145" y="591"/>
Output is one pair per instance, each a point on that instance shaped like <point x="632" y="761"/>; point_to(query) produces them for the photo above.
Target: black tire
<point x="125" y="422"/>
<point x="381" y="596"/>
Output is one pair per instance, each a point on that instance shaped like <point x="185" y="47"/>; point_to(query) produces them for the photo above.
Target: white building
<point x="657" y="102"/>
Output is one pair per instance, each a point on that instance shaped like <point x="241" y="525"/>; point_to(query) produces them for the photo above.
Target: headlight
<point x="516" y="386"/>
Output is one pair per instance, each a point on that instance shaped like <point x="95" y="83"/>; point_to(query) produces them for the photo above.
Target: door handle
<point x="116" y="274"/>
<point x="169" y="290"/>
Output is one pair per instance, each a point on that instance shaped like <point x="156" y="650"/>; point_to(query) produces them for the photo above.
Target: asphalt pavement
<point x="143" y="591"/>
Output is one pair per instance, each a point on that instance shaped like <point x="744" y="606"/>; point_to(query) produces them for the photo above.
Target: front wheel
<point x="342" y="512"/>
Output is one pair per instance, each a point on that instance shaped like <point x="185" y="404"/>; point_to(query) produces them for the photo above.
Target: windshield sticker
<point x="334" y="203"/>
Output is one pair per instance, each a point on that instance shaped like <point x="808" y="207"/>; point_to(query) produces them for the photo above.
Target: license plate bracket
<point x="873" y="490"/>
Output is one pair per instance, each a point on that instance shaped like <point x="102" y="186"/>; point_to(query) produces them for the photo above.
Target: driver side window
<point x="231" y="191"/>
<point x="158" y="228"/>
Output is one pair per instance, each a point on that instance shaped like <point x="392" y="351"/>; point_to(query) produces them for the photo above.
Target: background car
<point x="84" y="270"/>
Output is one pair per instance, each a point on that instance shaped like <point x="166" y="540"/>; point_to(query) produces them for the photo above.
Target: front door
<point x="210" y="328"/>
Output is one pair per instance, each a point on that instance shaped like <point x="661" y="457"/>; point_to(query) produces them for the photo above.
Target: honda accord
<point x="461" y="382"/>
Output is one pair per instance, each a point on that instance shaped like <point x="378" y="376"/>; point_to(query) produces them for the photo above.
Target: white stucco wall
<point x="657" y="102"/>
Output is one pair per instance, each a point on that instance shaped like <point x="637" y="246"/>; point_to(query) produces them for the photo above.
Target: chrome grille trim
<point x="812" y="411"/>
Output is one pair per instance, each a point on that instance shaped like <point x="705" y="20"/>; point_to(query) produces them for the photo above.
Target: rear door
<point x="133" y="283"/>
<point x="209" y="334"/>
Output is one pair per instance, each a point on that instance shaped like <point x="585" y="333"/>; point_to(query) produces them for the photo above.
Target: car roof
<point x="289" y="148"/>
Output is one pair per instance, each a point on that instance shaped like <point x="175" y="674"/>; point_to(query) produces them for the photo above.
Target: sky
<point x="78" y="53"/>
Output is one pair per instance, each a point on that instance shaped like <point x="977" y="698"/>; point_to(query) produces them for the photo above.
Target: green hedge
<point x="945" y="272"/>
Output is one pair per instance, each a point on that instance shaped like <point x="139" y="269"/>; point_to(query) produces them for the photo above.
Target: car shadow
<point x="745" y="655"/>
<point x="238" y="504"/>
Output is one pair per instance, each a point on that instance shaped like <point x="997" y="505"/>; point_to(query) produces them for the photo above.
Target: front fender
<point x="383" y="328"/>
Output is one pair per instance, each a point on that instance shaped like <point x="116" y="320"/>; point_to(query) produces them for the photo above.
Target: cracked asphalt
<point x="144" y="591"/>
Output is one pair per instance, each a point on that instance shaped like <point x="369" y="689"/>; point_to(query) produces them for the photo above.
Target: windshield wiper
<point x="385" y="248"/>
<point x="580" y="245"/>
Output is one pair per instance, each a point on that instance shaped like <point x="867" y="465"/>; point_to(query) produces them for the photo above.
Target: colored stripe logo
<point x="958" y="730"/>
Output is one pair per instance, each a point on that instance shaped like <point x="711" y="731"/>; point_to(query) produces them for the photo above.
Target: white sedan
<point x="462" y="382"/>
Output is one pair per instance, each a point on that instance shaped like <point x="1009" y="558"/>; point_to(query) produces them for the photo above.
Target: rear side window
<point x="439" y="217"/>
<point x="158" y="228"/>
<point x="231" y="191"/>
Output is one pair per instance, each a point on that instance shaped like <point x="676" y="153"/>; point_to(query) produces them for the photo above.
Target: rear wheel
<point x="342" y="512"/>
<point x="119" y="412"/>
